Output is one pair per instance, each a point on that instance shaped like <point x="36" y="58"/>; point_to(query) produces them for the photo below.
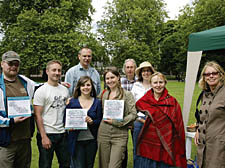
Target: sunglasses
<point x="13" y="63"/>
<point x="212" y="73"/>
<point x="146" y="70"/>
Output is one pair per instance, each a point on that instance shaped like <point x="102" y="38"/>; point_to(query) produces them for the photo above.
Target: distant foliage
<point x="131" y="29"/>
<point x="41" y="30"/>
<point x="201" y="15"/>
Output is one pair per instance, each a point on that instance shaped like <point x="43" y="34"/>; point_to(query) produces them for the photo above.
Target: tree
<point x="131" y="29"/>
<point x="202" y="15"/>
<point x="168" y="47"/>
<point x="208" y="14"/>
<point x="183" y="30"/>
<point x="43" y="30"/>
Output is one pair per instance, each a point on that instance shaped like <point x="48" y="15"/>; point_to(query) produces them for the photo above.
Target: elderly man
<point x="83" y="69"/>
<point x="129" y="67"/>
<point x="15" y="130"/>
<point x="127" y="83"/>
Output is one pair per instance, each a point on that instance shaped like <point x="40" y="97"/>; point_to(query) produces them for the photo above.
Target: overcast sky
<point x="173" y="7"/>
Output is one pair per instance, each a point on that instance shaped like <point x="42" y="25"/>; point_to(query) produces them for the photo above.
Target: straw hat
<point x="145" y="64"/>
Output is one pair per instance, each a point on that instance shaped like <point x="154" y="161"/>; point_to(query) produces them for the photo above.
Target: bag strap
<point x="199" y="98"/>
<point x="197" y="103"/>
<point x="102" y="93"/>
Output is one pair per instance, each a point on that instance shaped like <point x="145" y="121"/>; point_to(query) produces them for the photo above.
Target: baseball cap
<point x="10" y="56"/>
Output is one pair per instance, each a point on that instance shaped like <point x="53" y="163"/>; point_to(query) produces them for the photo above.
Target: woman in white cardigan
<point x="143" y="72"/>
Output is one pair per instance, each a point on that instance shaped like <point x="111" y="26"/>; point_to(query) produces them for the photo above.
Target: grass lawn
<point x="176" y="89"/>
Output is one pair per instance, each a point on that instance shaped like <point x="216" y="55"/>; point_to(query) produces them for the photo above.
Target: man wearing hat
<point x="15" y="131"/>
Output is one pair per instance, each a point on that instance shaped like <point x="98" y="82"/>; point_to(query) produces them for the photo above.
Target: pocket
<point x="220" y="148"/>
<point x="221" y="139"/>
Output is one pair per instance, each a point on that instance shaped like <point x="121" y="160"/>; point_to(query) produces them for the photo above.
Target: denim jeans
<point x="59" y="146"/>
<point x="143" y="162"/>
<point x="137" y="128"/>
<point x="84" y="156"/>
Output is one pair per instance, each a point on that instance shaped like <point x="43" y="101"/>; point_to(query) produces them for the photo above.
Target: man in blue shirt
<point x="83" y="69"/>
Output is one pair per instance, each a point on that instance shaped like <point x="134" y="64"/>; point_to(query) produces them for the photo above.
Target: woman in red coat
<point x="162" y="139"/>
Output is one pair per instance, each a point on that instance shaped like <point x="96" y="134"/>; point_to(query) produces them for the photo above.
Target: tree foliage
<point x="43" y="30"/>
<point x="208" y="14"/>
<point x="131" y="29"/>
<point x="201" y="15"/>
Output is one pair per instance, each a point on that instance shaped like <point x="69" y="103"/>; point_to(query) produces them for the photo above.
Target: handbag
<point x="192" y="163"/>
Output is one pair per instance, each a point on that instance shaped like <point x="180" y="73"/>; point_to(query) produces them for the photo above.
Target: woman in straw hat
<point x="143" y="72"/>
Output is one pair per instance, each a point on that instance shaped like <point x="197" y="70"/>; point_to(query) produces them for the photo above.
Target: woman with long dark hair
<point x="83" y="143"/>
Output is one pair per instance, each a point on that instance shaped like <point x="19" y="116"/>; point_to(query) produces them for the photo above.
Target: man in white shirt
<point x="49" y="104"/>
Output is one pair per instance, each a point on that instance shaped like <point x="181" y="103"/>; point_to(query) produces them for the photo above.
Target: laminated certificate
<point x="75" y="119"/>
<point x="113" y="109"/>
<point x="18" y="106"/>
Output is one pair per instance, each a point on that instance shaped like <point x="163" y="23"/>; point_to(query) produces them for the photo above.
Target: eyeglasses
<point x="212" y="73"/>
<point x="13" y="63"/>
<point x="147" y="70"/>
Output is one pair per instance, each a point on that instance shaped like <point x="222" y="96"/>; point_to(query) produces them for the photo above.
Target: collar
<point x="133" y="80"/>
<point x="215" y="91"/>
<point x="2" y="80"/>
<point x="163" y="96"/>
<point x="118" y="94"/>
<point x="83" y="69"/>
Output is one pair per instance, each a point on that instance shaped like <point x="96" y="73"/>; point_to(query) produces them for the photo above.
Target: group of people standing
<point x="150" y="112"/>
<point x="158" y="132"/>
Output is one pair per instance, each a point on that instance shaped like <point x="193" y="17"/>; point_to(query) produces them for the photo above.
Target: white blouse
<point x="138" y="92"/>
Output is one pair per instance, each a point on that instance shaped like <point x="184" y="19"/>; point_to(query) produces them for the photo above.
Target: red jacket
<point x="162" y="137"/>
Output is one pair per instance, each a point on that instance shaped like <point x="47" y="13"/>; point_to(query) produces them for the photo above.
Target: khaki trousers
<point x="111" y="154"/>
<point x="16" y="155"/>
<point x="112" y="144"/>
